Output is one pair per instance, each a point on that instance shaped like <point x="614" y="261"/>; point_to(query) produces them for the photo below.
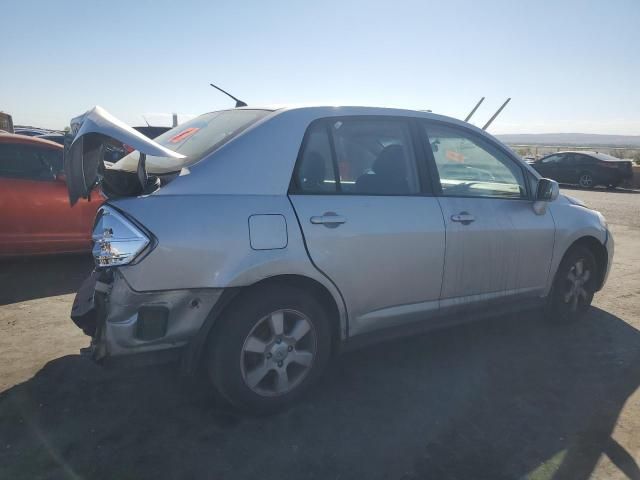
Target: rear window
<point x="606" y="158"/>
<point x="195" y="139"/>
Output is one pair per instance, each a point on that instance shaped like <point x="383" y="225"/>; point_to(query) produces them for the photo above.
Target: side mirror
<point x="547" y="191"/>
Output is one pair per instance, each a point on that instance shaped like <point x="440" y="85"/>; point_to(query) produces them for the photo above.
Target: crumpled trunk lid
<point x="85" y="157"/>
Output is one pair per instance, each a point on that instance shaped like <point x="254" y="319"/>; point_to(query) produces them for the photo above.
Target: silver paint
<point x="267" y="232"/>
<point x="384" y="260"/>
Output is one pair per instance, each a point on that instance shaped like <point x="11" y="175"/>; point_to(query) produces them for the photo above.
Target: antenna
<point x="146" y="121"/>
<point x="486" y="125"/>
<point x="474" y="110"/>
<point x="239" y="103"/>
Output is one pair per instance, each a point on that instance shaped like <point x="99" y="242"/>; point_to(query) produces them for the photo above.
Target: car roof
<point x="342" y="109"/>
<point x="27" y="140"/>
<point x="589" y="153"/>
<point x="279" y="135"/>
<point x="324" y="110"/>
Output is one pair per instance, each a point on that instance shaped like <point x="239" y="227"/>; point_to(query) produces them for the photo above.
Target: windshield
<point x="194" y="139"/>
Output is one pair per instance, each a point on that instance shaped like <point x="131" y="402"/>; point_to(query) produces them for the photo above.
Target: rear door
<point x="369" y="220"/>
<point x="498" y="249"/>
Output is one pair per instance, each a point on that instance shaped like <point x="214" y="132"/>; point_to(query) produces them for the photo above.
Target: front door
<point x="368" y="221"/>
<point x="498" y="249"/>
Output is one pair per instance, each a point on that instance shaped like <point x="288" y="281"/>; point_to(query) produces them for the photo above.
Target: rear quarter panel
<point x="203" y="241"/>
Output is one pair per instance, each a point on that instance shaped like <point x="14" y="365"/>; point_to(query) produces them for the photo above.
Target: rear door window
<point x="358" y="156"/>
<point x="315" y="170"/>
<point x="584" y="160"/>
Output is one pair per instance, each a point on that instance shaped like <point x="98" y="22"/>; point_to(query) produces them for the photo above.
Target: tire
<point x="256" y="368"/>
<point x="586" y="180"/>
<point x="572" y="291"/>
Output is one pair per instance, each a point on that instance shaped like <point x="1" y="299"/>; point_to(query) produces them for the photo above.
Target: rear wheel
<point x="269" y="348"/>
<point x="586" y="180"/>
<point x="574" y="285"/>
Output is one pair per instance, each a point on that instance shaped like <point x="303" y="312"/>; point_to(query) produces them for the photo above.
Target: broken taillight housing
<point x="116" y="240"/>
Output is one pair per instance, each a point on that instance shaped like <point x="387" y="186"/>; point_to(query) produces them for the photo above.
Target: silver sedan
<point x="262" y="242"/>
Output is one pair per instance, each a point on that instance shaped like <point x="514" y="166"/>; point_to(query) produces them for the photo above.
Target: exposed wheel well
<point x="599" y="251"/>
<point x="314" y="287"/>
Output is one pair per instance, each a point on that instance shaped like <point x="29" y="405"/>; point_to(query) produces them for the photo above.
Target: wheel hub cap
<point x="586" y="180"/>
<point x="577" y="279"/>
<point x="278" y="352"/>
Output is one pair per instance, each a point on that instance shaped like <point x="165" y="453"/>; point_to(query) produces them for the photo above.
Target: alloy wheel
<point x="576" y="285"/>
<point x="278" y="353"/>
<point x="586" y="180"/>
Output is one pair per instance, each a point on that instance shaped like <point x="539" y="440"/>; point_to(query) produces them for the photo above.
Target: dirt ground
<point x="509" y="398"/>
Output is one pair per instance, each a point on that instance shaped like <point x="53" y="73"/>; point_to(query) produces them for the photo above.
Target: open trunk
<point x="152" y="163"/>
<point x="85" y="164"/>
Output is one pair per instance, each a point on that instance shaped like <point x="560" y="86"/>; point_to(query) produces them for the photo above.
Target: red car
<point x="35" y="215"/>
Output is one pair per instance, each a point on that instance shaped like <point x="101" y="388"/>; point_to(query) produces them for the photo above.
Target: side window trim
<point x="334" y="157"/>
<point x="482" y="142"/>
<point x="294" y="185"/>
<point x="428" y="187"/>
<point x="427" y="154"/>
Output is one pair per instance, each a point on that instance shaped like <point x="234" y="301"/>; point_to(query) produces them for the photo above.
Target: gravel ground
<point x="509" y="398"/>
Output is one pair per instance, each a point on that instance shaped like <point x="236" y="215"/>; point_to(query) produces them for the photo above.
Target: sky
<point x="568" y="65"/>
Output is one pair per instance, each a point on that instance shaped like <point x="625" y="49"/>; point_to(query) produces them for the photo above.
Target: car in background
<point x="587" y="169"/>
<point x="6" y="123"/>
<point x="30" y="131"/>
<point x="53" y="137"/>
<point x="258" y="243"/>
<point x="35" y="214"/>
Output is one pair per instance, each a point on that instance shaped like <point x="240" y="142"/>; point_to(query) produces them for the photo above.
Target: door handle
<point x="464" y="218"/>
<point x="329" y="219"/>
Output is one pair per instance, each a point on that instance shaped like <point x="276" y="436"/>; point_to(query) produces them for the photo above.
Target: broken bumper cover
<point x="122" y="321"/>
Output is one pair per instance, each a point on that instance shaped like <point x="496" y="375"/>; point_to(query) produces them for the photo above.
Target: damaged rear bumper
<point x="122" y="321"/>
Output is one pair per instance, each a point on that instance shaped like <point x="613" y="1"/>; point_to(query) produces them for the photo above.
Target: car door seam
<point x="444" y="253"/>
<point x="304" y="242"/>
<point x="550" y="273"/>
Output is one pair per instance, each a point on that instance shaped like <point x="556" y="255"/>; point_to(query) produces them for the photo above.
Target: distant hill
<point x="578" y="139"/>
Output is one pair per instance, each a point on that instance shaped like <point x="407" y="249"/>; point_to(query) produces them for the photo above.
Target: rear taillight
<point x="116" y="240"/>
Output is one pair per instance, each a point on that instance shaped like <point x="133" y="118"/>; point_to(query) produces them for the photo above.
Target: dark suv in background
<point x="587" y="169"/>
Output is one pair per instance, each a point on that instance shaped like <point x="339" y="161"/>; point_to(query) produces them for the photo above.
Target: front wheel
<point x="574" y="285"/>
<point x="270" y="347"/>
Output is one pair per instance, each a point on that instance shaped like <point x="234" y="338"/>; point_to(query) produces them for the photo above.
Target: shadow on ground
<point x="509" y="398"/>
<point x="31" y="278"/>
